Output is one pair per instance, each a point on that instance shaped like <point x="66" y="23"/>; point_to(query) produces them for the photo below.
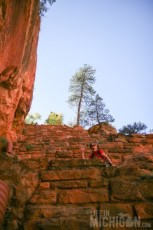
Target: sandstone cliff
<point x="19" y="29"/>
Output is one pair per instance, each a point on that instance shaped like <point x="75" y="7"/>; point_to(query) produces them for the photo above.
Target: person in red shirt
<point x="97" y="153"/>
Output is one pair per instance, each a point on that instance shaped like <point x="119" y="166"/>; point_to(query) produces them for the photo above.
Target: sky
<point x="115" y="37"/>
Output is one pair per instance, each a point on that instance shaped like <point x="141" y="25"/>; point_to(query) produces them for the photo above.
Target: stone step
<point x="58" y="217"/>
<point x="65" y="142"/>
<point x="46" y="184"/>
<point x="52" y="187"/>
<point x="96" y="216"/>
<point x="56" y="164"/>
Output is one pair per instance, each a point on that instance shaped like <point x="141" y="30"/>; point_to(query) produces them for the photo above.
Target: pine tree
<point x="43" y="6"/>
<point x="81" y="89"/>
<point x="137" y="127"/>
<point x="96" y="112"/>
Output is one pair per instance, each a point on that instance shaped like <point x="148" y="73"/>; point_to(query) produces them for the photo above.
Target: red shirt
<point x="98" y="154"/>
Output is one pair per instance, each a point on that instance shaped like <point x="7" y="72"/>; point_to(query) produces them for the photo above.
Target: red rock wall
<point x="65" y="142"/>
<point x="51" y="187"/>
<point x="19" y="29"/>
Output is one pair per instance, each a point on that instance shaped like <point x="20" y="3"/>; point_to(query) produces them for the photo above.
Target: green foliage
<point x="32" y="118"/>
<point x="29" y="147"/>
<point x="96" y="112"/>
<point x="137" y="127"/>
<point x="81" y="89"/>
<point x="54" y="119"/>
<point x="43" y="6"/>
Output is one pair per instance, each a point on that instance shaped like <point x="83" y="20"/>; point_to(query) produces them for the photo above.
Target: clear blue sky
<point x="113" y="36"/>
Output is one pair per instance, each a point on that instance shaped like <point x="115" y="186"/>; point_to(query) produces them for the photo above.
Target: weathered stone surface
<point x="44" y="197"/>
<point x="22" y="182"/>
<point x="83" y="196"/>
<point x="19" y="29"/>
<point x="70" y="163"/>
<point x="62" y="224"/>
<point x="134" y="170"/>
<point x="69" y="184"/>
<point x="143" y="149"/>
<point x="50" y="211"/>
<point x="69" y="218"/>
<point x="144" y="211"/>
<point x="104" y="128"/>
<point x="70" y="174"/>
<point x="47" y="192"/>
<point x="125" y="191"/>
<point x="102" y="182"/>
<point x="113" y="210"/>
<point x="146" y="189"/>
<point x="138" y="159"/>
<point x="64" y="154"/>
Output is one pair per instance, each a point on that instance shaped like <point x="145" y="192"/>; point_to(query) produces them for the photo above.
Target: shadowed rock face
<point x="19" y="29"/>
